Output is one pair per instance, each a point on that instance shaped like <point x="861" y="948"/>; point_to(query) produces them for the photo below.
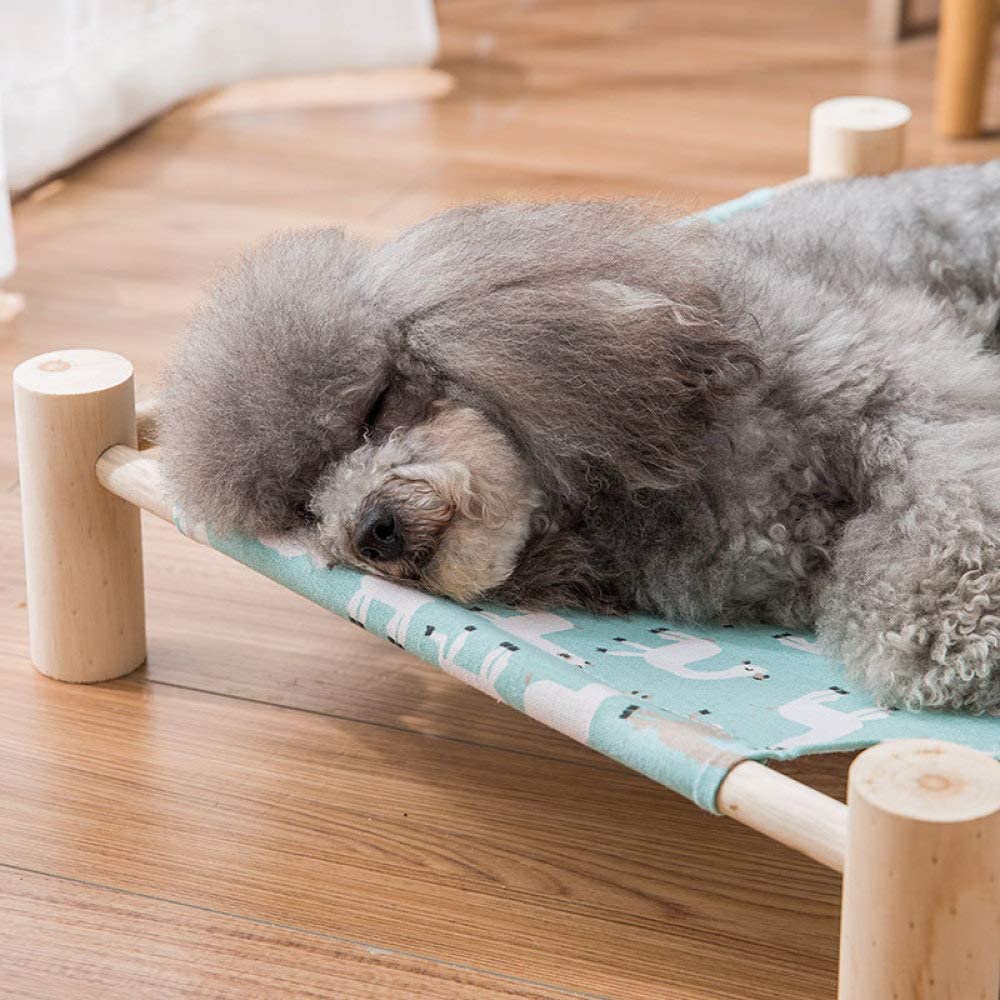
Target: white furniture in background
<point x="75" y="74"/>
<point x="7" y="258"/>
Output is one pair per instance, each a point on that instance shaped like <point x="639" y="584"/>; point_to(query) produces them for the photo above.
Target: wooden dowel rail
<point x="135" y="476"/>
<point x="786" y="811"/>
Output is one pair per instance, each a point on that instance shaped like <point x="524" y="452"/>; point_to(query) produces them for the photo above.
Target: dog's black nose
<point x="377" y="538"/>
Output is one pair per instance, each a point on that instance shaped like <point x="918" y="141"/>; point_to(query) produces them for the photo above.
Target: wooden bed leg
<point x="887" y="20"/>
<point x="82" y="544"/>
<point x="921" y="908"/>
<point x="964" y="43"/>
<point x="856" y="136"/>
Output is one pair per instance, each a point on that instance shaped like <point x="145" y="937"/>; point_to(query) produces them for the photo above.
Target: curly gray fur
<point x="791" y="417"/>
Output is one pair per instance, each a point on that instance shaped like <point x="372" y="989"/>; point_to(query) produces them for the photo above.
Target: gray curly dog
<point x="792" y="417"/>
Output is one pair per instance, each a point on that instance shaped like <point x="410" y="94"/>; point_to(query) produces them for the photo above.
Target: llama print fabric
<point x="680" y="705"/>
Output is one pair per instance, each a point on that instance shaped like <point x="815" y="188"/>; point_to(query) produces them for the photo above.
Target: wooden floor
<point x="279" y="805"/>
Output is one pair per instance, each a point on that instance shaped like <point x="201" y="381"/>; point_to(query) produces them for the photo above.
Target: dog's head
<point x="446" y="502"/>
<point x="436" y="404"/>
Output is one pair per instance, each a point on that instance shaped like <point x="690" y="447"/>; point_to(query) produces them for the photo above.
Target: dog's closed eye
<point x="399" y="404"/>
<point x="374" y="412"/>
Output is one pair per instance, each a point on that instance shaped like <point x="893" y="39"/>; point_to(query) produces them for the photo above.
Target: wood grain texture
<point x="413" y="844"/>
<point x="262" y="764"/>
<point x="792" y="813"/>
<point x="857" y="137"/>
<point x="114" y="944"/>
<point x="921" y="901"/>
<point x="965" y="41"/>
<point x="82" y="548"/>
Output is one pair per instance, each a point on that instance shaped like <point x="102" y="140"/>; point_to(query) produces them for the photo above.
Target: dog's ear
<point x="591" y="332"/>
<point x="272" y="381"/>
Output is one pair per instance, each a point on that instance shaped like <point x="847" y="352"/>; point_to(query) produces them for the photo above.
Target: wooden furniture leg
<point x="964" y="44"/>
<point x="921" y="905"/>
<point x="856" y="136"/>
<point x="887" y="20"/>
<point x="82" y="546"/>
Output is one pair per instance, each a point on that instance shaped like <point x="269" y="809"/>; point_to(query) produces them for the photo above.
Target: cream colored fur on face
<point x="456" y="485"/>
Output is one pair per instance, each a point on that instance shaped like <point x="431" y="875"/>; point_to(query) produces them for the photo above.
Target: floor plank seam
<point x="598" y="766"/>
<point x="373" y="949"/>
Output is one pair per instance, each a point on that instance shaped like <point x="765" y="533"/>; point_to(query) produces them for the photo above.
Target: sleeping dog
<point x="790" y="417"/>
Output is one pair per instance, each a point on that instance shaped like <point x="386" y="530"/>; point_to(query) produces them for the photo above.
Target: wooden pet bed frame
<point x="918" y="841"/>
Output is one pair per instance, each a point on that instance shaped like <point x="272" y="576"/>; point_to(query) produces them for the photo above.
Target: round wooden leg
<point x="856" y="136"/>
<point x="82" y="545"/>
<point x="965" y="41"/>
<point x="921" y="909"/>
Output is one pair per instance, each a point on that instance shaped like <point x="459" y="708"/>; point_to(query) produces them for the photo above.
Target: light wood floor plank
<point x="406" y="842"/>
<point x="61" y="938"/>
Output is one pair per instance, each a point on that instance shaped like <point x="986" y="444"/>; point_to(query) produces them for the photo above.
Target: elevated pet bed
<point x="681" y="704"/>
<point x="694" y="708"/>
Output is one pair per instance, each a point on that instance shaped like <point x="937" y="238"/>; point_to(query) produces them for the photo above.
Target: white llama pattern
<point x="568" y="711"/>
<point x="494" y="663"/>
<point x="823" y="722"/>
<point x="293" y="544"/>
<point x="404" y="601"/>
<point x="799" y="643"/>
<point x="532" y="627"/>
<point x="675" y="656"/>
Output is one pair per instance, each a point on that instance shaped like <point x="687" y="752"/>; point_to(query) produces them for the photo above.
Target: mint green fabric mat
<point x="679" y="704"/>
